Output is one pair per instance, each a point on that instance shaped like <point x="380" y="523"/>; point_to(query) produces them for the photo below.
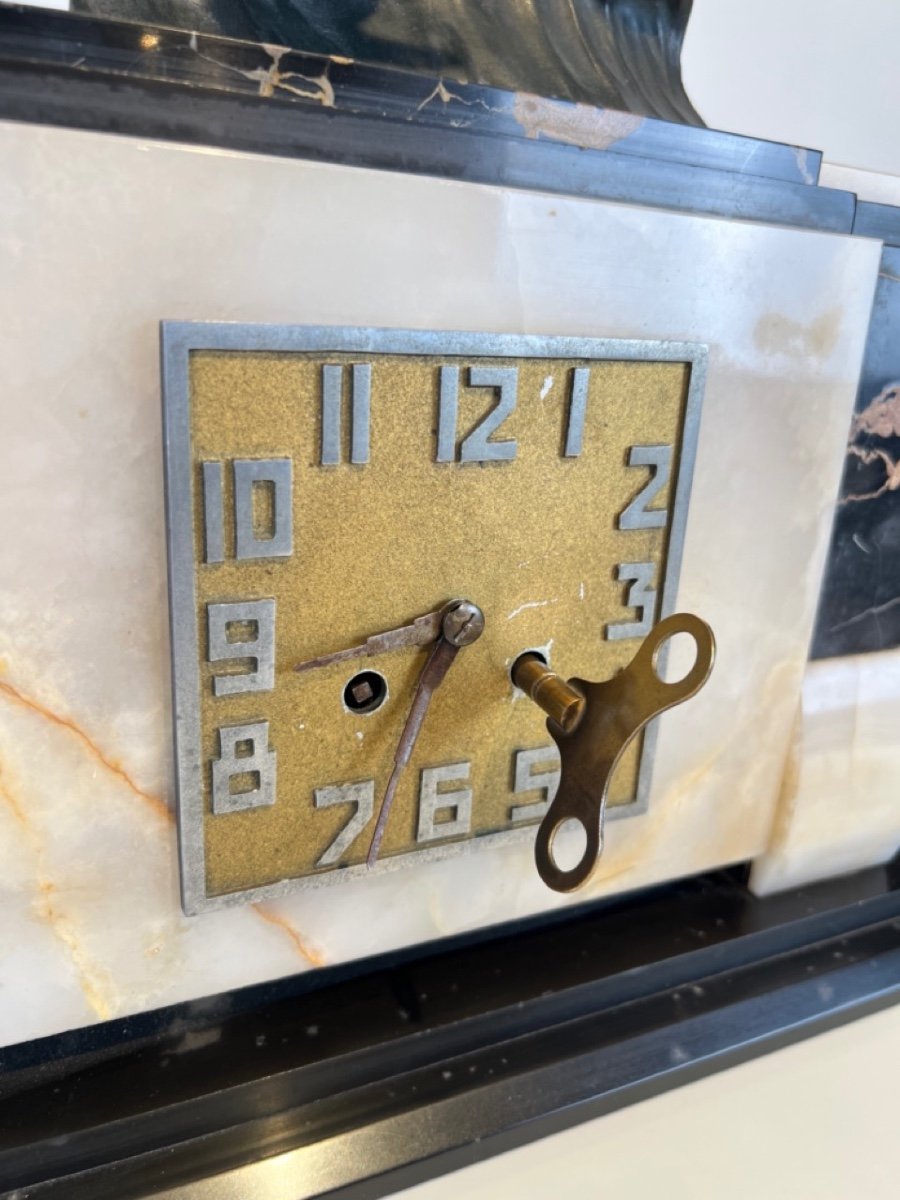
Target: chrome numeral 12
<point x="477" y="446"/>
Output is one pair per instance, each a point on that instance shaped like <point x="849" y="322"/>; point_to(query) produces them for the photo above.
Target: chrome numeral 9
<point x="243" y="631"/>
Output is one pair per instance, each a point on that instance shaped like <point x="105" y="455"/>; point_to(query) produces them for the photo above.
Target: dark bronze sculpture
<point x="621" y="54"/>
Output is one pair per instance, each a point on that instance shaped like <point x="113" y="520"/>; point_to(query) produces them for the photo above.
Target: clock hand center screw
<point x="463" y="623"/>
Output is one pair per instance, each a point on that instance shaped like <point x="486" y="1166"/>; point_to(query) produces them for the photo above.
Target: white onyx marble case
<point x="103" y="237"/>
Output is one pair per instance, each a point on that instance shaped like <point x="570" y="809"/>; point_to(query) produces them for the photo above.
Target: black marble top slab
<point x="128" y="78"/>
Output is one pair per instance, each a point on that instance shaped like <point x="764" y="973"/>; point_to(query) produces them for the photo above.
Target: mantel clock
<point x="351" y="511"/>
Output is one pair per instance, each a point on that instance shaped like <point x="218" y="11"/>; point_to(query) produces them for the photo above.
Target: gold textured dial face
<point x="327" y="486"/>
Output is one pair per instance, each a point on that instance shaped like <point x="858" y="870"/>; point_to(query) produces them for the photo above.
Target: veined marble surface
<point x="840" y="804"/>
<point x="100" y="238"/>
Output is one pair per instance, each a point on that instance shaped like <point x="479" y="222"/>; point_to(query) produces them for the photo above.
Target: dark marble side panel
<point x="859" y="608"/>
<point x="880" y="221"/>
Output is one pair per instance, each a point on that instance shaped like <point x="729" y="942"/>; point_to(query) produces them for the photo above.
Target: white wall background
<point x="815" y="1121"/>
<point x="824" y="74"/>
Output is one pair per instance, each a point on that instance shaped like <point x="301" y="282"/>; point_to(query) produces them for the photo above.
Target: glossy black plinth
<point x="369" y="1078"/>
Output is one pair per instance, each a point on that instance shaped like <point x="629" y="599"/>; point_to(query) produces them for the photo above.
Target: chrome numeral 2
<point x="637" y="515"/>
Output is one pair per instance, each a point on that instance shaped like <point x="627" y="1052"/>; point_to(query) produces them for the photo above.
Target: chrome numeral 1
<point x="581" y="377"/>
<point x="477" y="446"/>
<point x="243" y="776"/>
<point x="213" y="509"/>
<point x="332" y="413"/>
<point x="457" y="803"/>
<point x="640" y="596"/>
<point x="637" y="515"/>
<point x="448" y="406"/>
<point x="255" y="619"/>
<point x="362" y="796"/>
<point x="527" y="779"/>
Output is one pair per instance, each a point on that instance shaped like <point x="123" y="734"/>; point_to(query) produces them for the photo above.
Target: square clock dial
<point x="327" y="487"/>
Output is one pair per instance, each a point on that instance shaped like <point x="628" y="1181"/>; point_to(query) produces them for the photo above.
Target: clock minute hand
<point x="419" y="632"/>
<point x="461" y="624"/>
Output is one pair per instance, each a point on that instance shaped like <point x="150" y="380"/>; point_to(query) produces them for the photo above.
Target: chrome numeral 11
<point x="333" y="408"/>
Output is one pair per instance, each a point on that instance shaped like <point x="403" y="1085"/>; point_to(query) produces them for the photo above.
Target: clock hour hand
<point x="461" y="624"/>
<point x="419" y="632"/>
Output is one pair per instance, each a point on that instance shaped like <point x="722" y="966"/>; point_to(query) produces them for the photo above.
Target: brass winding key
<point x="592" y="723"/>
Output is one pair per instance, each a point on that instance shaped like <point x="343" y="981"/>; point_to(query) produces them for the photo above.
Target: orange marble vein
<point x="158" y="805"/>
<point x="305" y="951"/>
<point x="49" y="911"/>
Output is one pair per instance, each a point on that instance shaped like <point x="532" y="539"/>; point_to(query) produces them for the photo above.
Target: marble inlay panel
<point x="860" y="604"/>
<point x="100" y="238"/>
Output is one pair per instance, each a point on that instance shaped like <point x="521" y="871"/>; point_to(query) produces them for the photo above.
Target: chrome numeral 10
<point x="262" y="493"/>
